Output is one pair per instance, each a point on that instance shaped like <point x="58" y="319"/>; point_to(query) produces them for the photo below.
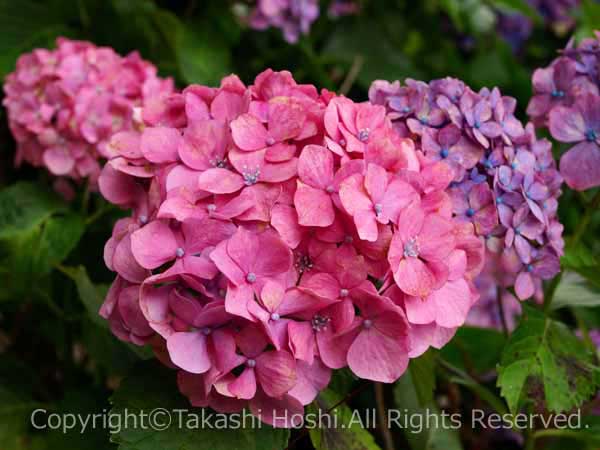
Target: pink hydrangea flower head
<point x="263" y="218"/>
<point x="64" y="105"/>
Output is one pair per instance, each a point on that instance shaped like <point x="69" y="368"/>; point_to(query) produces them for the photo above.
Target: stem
<point x="501" y="309"/>
<point x="467" y="380"/>
<point x="554" y="432"/>
<point x="357" y="64"/>
<point x="388" y="440"/>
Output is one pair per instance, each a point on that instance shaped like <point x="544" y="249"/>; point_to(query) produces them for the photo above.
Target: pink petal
<point x="314" y="206"/>
<point x="244" y="386"/>
<point x="160" y="144"/>
<point x="58" y="160"/>
<point x="144" y="244"/>
<point x="312" y="378"/>
<point x="220" y="181"/>
<point x="377" y="357"/>
<point x="248" y="133"/>
<point x="276" y="372"/>
<point x="188" y="351"/>
<point x="315" y="166"/>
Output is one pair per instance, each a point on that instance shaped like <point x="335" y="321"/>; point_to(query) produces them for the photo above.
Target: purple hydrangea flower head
<point x="293" y="17"/>
<point x="505" y="180"/>
<point x="567" y="100"/>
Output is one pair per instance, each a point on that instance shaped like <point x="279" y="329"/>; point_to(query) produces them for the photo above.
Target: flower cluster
<point x="278" y="233"/>
<point x="567" y="100"/>
<point x="293" y="17"/>
<point x="505" y="183"/>
<point x="516" y="28"/>
<point x="64" y="104"/>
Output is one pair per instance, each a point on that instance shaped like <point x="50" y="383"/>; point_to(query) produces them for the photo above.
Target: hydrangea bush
<point x="283" y="250"/>
<point x="277" y="234"/>
<point x="64" y="104"/>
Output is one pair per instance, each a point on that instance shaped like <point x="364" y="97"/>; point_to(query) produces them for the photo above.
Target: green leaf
<point x="574" y="290"/>
<point x="422" y="370"/>
<point x="202" y="58"/>
<point x="475" y="348"/>
<point x="59" y="236"/>
<point x="25" y="205"/>
<point x="422" y="428"/>
<point x="28" y="24"/>
<point x="151" y="386"/>
<point x="520" y="6"/>
<point x="91" y="295"/>
<point x="366" y="46"/>
<point x="590" y="18"/>
<point x="37" y="231"/>
<point x="350" y="432"/>
<point x="545" y="363"/>
<point x="15" y="409"/>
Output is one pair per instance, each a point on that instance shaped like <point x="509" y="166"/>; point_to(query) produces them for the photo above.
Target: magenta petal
<point x="244" y="386"/>
<point x="414" y="278"/>
<point x="312" y="378"/>
<point x="125" y="264"/>
<point x="248" y="133"/>
<point x="160" y="144"/>
<point x="58" y="160"/>
<point x="315" y="166"/>
<point x="284" y="412"/>
<point x="220" y="181"/>
<point x="144" y="248"/>
<point x="314" y="206"/>
<point x="188" y="350"/>
<point x="375" y="356"/>
<point x="276" y="372"/>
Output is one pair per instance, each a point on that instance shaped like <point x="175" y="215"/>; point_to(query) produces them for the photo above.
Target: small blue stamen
<point x="251" y="277"/>
<point x="180" y="252"/>
<point x="470" y="212"/>
<point x="591" y="135"/>
<point x="444" y="153"/>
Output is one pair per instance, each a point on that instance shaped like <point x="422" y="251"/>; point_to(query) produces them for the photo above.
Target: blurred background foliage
<point x="56" y="353"/>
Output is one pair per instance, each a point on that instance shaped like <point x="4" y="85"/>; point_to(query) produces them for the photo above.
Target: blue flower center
<point x="378" y="207"/>
<point x="251" y="277"/>
<point x="363" y="135"/>
<point x="591" y="135"/>
<point x="470" y="212"/>
<point x="556" y="93"/>
<point x="477" y="124"/>
<point x="406" y="109"/>
<point x="529" y="268"/>
<point x="499" y="200"/>
<point x="444" y="153"/>
<point x="180" y="252"/>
